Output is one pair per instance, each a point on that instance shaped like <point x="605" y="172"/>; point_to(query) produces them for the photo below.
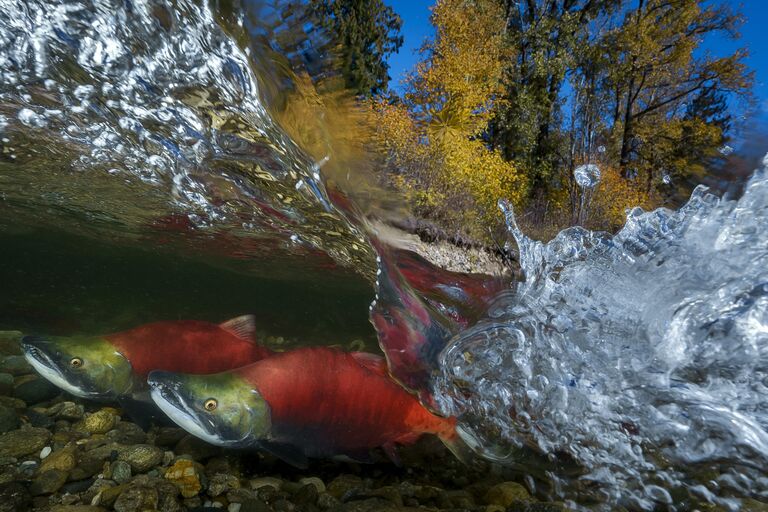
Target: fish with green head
<point x="115" y="366"/>
<point x="312" y="402"/>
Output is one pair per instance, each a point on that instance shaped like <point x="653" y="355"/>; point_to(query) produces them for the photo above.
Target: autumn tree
<point x="365" y="32"/>
<point x="655" y="71"/>
<point x="440" y="123"/>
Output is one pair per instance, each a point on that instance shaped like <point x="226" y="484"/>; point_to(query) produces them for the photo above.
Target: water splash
<point x="147" y="115"/>
<point x="642" y="357"/>
<point x="587" y="176"/>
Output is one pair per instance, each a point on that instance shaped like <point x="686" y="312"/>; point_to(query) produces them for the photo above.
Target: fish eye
<point x="76" y="362"/>
<point x="210" y="404"/>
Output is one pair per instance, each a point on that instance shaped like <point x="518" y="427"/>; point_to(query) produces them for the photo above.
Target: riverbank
<point x="451" y="254"/>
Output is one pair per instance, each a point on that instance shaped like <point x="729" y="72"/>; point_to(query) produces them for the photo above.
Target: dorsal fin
<point x="373" y="362"/>
<point x="244" y="327"/>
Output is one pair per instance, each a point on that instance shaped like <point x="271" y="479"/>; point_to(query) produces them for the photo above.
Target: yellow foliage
<point x="432" y="142"/>
<point x="613" y="196"/>
<point x="456" y="84"/>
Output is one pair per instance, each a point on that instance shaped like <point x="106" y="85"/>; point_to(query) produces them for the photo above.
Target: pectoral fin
<point x="286" y="452"/>
<point x="142" y="411"/>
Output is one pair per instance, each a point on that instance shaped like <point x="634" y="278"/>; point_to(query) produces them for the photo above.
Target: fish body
<point x="310" y="402"/>
<point x="116" y="365"/>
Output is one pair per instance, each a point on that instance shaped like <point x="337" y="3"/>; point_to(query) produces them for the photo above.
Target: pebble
<point x="6" y="383"/>
<point x="23" y="441"/>
<point x="127" y="433"/>
<point x="220" y="483"/>
<point x="45" y="452"/>
<point x="267" y="481"/>
<point x="13" y="497"/>
<point x="142" y="457"/>
<point x="121" y="471"/>
<point x="186" y="475"/>
<point x="137" y="499"/>
<point x="77" y="508"/>
<point x="9" y="419"/>
<point x="99" y="422"/>
<point x="15" y="365"/>
<point x="48" y="482"/>
<point x="505" y="493"/>
<point x="69" y="411"/>
<point x="64" y="459"/>
<point x="34" y="389"/>
<point x="313" y="480"/>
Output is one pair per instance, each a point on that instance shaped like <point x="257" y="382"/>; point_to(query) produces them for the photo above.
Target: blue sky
<point x="754" y="32"/>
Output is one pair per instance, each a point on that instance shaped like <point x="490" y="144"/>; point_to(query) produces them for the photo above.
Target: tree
<point x="654" y="70"/>
<point x="547" y="38"/>
<point x="366" y="32"/>
<point x="435" y="136"/>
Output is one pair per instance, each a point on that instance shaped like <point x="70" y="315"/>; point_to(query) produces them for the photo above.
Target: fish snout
<point x="159" y="378"/>
<point x="35" y="346"/>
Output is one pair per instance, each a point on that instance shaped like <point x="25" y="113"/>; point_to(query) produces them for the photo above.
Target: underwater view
<point x="241" y="272"/>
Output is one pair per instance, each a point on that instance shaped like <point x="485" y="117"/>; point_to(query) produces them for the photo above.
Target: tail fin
<point x="461" y="445"/>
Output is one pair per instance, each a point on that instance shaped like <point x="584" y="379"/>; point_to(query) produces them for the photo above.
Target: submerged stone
<point x="23" y="441"/>
<point x="77" y="508"/>
<point x="48" y="482"/>
<point x="64" y="459"/>
<point x="14" y="497"/>
<point x="6" y="383"/>
<point x="99" y="422"/>
<point x="120" y="471"/>
<point x="142" y="457"/>
<point x="186" y="475"/>
<point x="137" y="499"/>
<point x="69" y="411"/>
<point x="505" y="493"/>
<point x="34" y="389"/>
<point x="9" y="420"/>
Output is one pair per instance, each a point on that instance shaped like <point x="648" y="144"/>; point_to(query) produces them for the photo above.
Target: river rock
<point x="23" y="441"/>
<point x="313" y="480"/>
<point x="220" y="483"/>
<point x="77" y="508"/>
<point x="85" y="469"/>
<point x="169" y="436"/>
<point x="14" y="497"/>
<point x="137" y="499"/>
<point x="9" y="420"/>
<point x="6" y="383"/>
<point x="254" y="505"/>
<point x="69" y="411"/>
<point x="505" y="493"/>
<point x="142" y="457"/>
<point x="100" y="422"/>
<point x="15" y="365"/>
<point x="267" y="481"/>
<point x="48" y="482"/>
<point x="64" y="459"/>
<point x="120" y="471"/>
<point x="344" y="484"/>
<point x="34" y="389"/>
<point x="196" y="449"/>
<point x="186" y="475"/>
<point x="127" y="433"/>
<point x="12" y="403"/>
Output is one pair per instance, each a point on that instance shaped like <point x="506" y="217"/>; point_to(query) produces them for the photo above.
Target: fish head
<point x="222" y="409"/>
<point x="86" y="366"/>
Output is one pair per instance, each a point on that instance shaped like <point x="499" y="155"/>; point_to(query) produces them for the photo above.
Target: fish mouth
<point x="166" y="390"/>
<point x="36" y="351"/>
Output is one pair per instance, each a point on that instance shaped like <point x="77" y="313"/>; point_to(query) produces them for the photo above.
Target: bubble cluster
<point x="640" y="358"/>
